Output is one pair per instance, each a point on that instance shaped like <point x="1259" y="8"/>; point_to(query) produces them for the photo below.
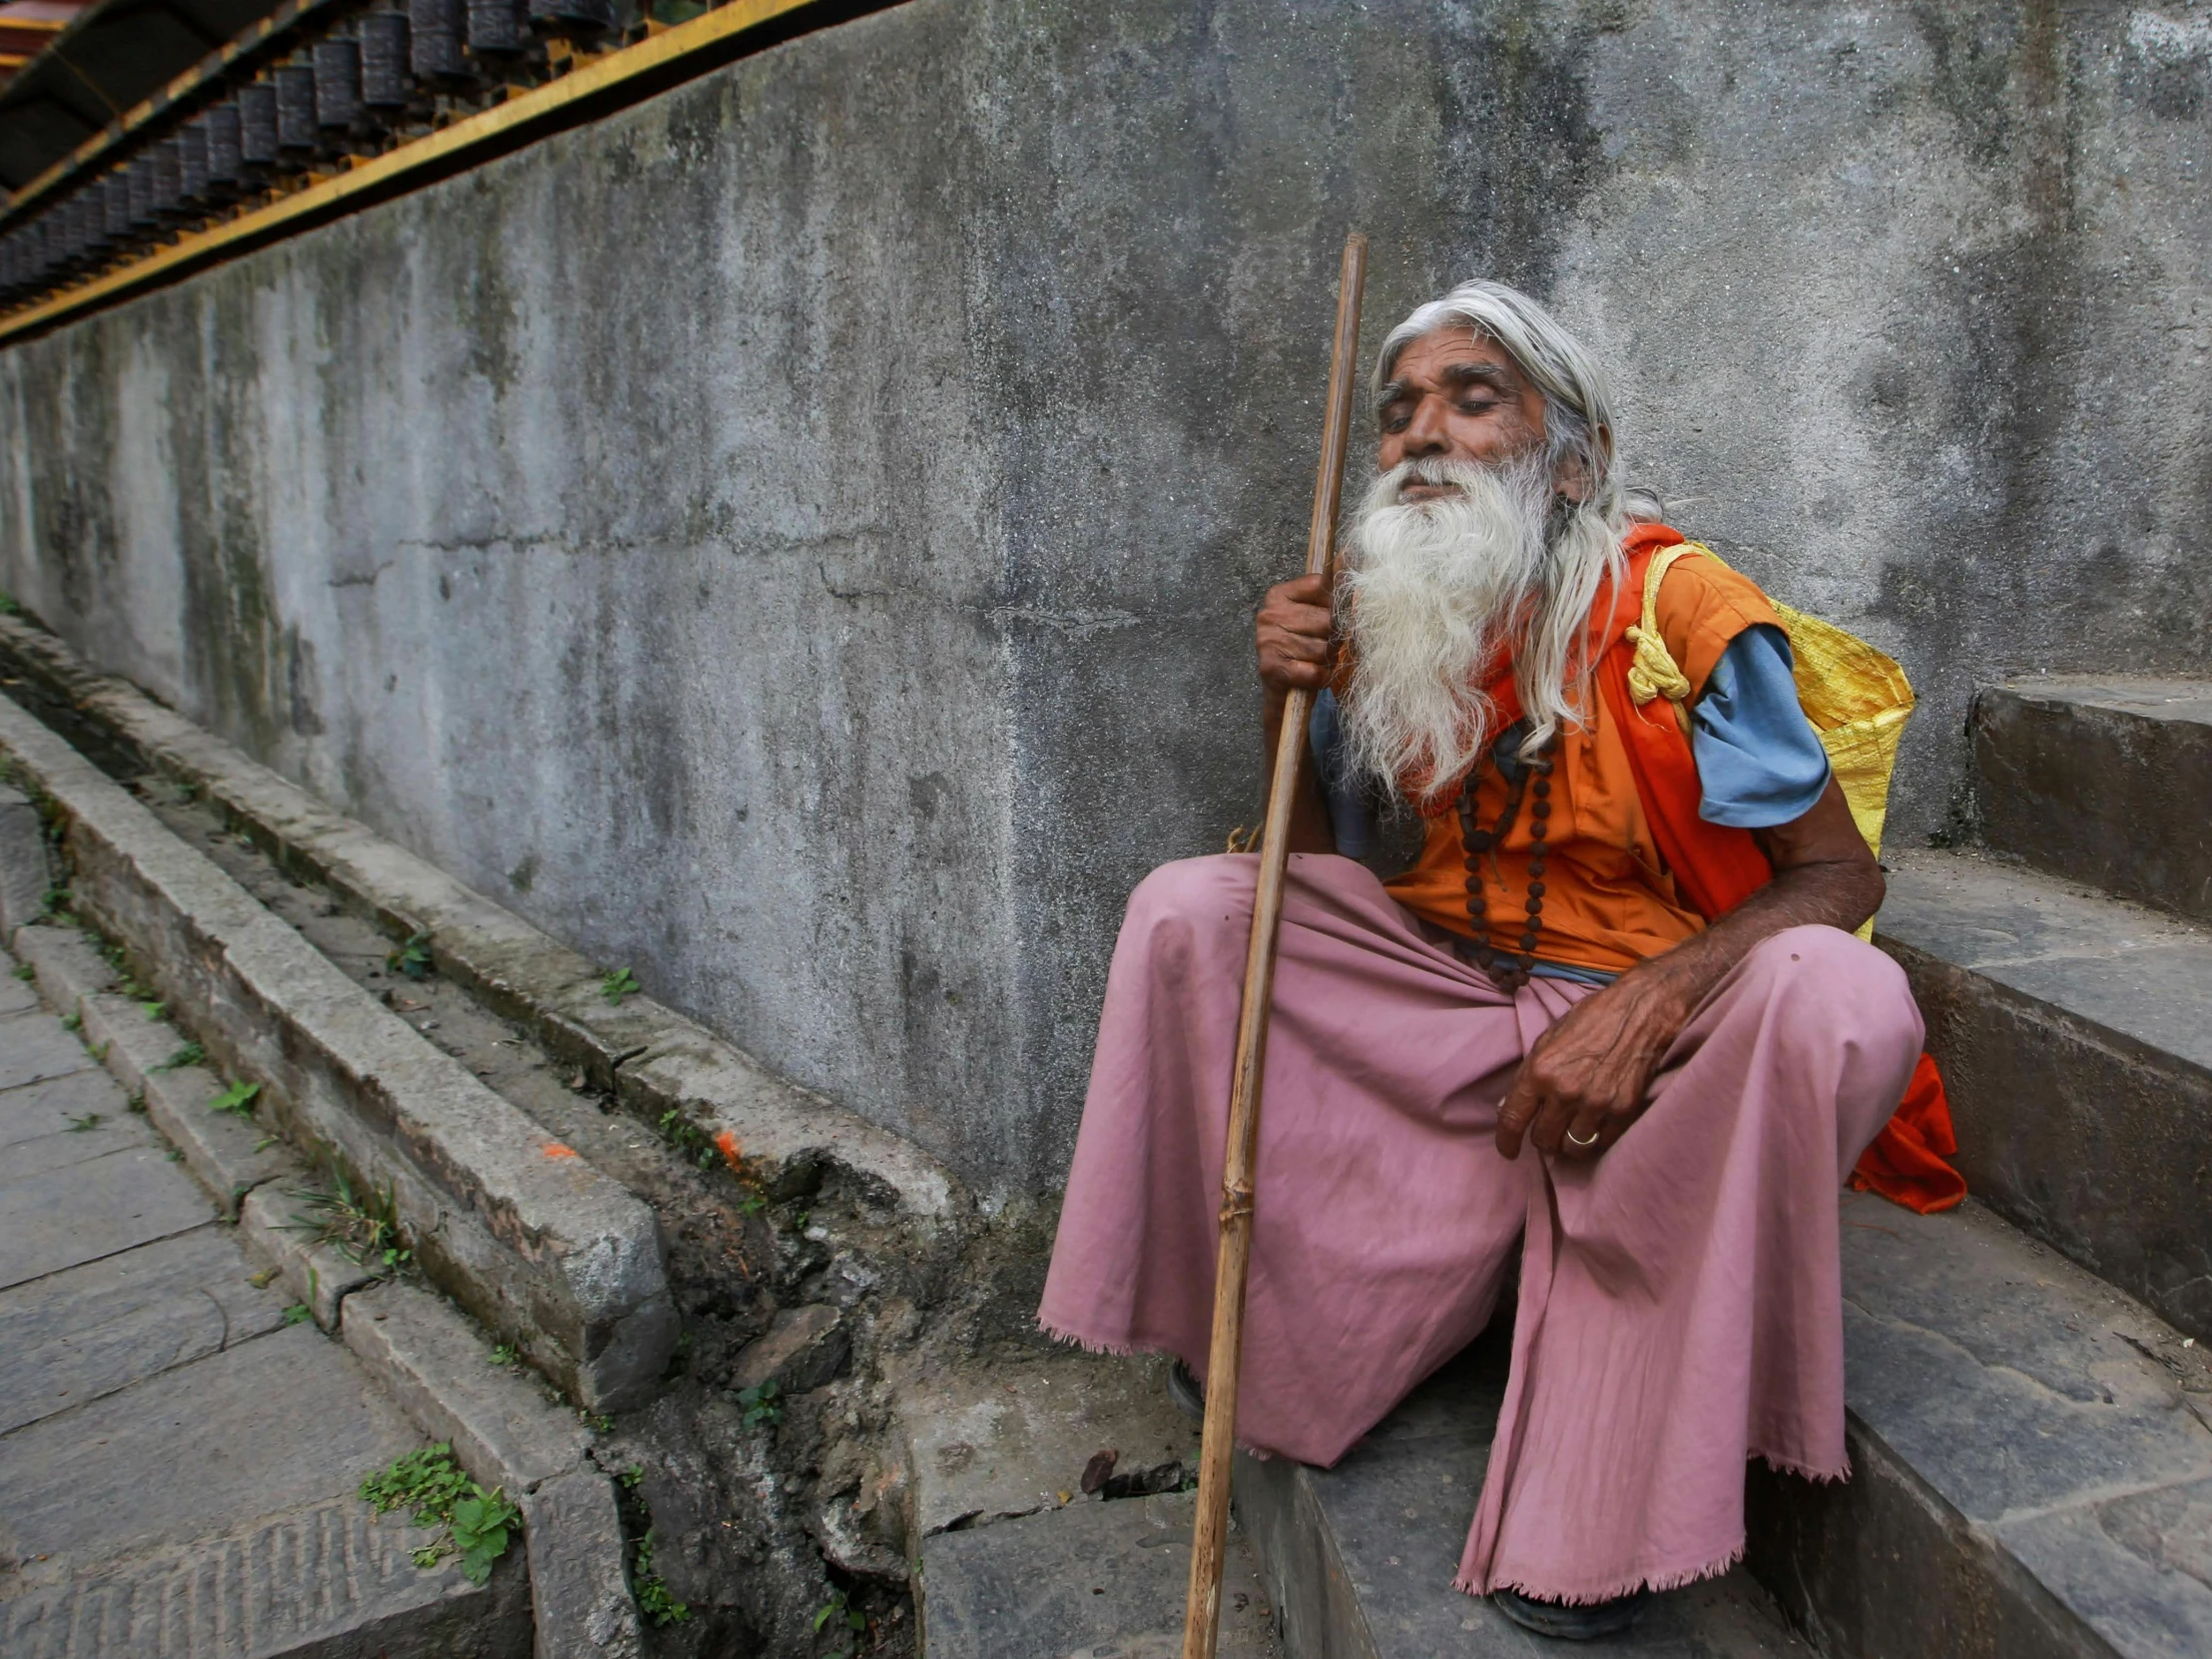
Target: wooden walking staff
<point x="1202" y="1614"/>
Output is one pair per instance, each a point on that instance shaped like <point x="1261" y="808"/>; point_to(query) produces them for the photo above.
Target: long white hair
<point x="1436" y="593"/>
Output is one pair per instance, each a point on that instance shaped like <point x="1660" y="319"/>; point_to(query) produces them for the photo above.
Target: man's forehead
<point x="1453" y="353"/>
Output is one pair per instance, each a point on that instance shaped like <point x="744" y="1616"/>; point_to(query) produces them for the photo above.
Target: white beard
<point x="1436" y="593"/>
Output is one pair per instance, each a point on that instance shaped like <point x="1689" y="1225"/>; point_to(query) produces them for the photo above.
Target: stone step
<point x="1046" y="1514"/>
<point x="515" y="1225"/>
<point x="2073" y="1035"/>
<point x="2030" y="1458"/>
<point x="1360" y="1558"/>
<point x="2102" y="780"/>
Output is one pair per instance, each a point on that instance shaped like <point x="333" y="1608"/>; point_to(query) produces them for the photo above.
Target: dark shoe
<point x="1572" y="1624"/>
<point x="1187" y="1393"/>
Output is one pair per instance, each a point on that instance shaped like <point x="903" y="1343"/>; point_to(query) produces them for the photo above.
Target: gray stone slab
<point x="1361" y="1557"/>
<point x="1999" y="1371"/>
<point x="35" y="1046"/>
<point x="93" y="1135"/>
<point x="83" y="1212"/>
<point x="1088" y="1578"/>
<point x="2143" y="975"/>
<point x="82" y="1334"/>
<point x="984" y="1446"/>
<point x="578" y="1592"/>
<point x="2071" y="1033"/>
<point x="273" y="1423"/>
<point x="325" y="1581"/>
<point x="39" y="1109"/>
<point x="2138" y="1569"/>
<point x="2102" y="780"/>
<point x="16" y="995"/>
<point x="130" y="1040"/>
<point x="2029" y="1456"/>
<point x="436" y="1363"/>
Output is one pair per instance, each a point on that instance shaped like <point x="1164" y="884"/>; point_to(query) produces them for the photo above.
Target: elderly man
<point x="1543" y="1033"/>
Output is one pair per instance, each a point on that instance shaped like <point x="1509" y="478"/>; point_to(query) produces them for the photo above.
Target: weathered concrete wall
<point x="797" y="537"/>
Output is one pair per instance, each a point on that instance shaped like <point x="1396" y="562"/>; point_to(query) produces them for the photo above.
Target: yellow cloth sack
<point x="1857" y="698"/>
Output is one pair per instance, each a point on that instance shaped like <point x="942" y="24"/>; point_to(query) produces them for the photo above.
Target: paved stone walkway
<point x="178" y="1462"/>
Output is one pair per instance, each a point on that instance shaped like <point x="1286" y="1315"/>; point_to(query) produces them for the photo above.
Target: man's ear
<point x="1572" y="480"/>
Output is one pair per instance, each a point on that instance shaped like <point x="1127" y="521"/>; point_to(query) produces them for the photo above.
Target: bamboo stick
<point x="1209" y="1531"/>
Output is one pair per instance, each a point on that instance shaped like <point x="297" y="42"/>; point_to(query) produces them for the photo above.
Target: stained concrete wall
<point x="797" y="537"/>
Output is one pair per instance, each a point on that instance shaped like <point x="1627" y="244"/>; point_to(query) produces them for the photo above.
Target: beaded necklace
<point x="1532" y="776"/>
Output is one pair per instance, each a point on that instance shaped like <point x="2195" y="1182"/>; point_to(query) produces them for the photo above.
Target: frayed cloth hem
<point x="1805" y="1472"/>
<point x="1113" y="1351"/>
<point x="1657" y="1583"/>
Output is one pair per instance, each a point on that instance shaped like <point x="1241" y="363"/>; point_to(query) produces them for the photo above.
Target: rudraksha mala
<point x="1532" y="777"/>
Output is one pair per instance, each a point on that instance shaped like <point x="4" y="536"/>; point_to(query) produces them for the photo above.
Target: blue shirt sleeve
<point x="1349" y="814"/>
<point x="1759" y="760"/>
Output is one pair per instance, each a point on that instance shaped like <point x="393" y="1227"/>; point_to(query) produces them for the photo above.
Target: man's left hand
<point x="1588" y="1077"/>
<point x="1585" y="1080"/>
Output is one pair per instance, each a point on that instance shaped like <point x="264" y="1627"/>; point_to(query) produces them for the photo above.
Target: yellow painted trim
<point x="382" y="174"/>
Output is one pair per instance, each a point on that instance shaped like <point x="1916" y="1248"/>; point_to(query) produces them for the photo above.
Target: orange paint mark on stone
<point x="731" y="1152"/>
<point x="554" y="1149"/>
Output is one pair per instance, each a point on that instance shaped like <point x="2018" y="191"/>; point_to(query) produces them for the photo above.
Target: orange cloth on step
<point x="1906" y="1163"/>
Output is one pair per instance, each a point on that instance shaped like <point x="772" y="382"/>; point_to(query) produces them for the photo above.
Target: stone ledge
<point x="439" y="1365"/>
<point x="2028" y="1448"/>
<point x="2072" y="1032"/>
<point x="573" y="1531"/>
<point x="548" y="1249"/>
<point x="2103" y="781"/>
<point x="654" y="1059"/>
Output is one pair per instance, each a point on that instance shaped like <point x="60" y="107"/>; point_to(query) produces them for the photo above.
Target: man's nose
<point x="1427" y="433"/>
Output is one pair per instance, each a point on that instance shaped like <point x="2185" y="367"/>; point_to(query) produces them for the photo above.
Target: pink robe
<point x="1680" y="1306"/>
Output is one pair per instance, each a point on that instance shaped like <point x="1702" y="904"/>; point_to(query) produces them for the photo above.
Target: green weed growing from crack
<point x="188" y="1055"/>
<point x="237" y="1101"/>
<point x="412" y="960"/>
<point x="431" y="1488"/>
<point x="840" y="1608"/>
<point x="653" y="1598"/>
<point x="762" y="1407"/>
<point x="688" y="1138"/>
<point x="298" y="1314"/>
<point x="79" y="1126"/>
<point x="363" y="1223"/>
<point x="24" y="972"/>
<point x="619" y="984"/>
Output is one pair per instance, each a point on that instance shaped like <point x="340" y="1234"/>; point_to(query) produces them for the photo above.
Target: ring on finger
<point x="1576" y="1140"/>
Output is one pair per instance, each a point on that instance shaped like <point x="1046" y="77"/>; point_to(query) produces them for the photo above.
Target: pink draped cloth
<point x="1680" y="1306"/>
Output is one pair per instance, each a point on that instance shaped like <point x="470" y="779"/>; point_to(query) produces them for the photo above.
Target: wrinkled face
<point x="1455" y="396"/>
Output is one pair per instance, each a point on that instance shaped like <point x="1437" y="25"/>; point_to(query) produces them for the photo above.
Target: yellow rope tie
<point x="1655" y="673"/>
